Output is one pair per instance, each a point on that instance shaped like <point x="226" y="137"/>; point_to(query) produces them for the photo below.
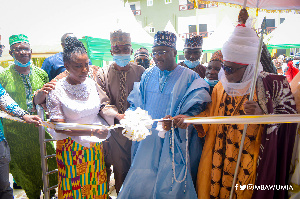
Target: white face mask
<point x="121" y="59"/>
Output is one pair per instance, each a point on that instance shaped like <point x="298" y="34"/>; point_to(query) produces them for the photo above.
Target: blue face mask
<point x="22" y="65"/>
<point x="191" y="64"/>
<point x="121" y="60"/>
<point x="211" y="83"/>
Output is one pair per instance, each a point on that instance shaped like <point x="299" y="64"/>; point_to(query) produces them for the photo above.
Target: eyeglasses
<point x="160" y="53"/>
<point x="229" y="70"/>
<point x="18" y="50"/>
<point x="141" y="54"/>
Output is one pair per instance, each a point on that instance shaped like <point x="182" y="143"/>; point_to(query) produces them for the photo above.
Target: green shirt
<point x="23" y="138"/>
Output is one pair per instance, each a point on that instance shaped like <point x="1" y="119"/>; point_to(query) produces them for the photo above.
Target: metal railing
<point x="44" y="156"/>
<point x="191" y="6"/>
<point x="188" y="35"/>
<point x="268" y="29"/>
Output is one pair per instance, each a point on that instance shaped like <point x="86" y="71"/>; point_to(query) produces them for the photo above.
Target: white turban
<point x="242" y="46"/>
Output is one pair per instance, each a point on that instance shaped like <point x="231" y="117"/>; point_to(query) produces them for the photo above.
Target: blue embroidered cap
<point x="165" y="38"/>
<point x="194" y="42"/>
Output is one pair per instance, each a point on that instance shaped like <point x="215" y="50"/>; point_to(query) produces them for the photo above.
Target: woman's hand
<point x="252" y="108"/>
<point x="35" y="119"/>
<point x="100" y="133"/>
<point x="40" y="97"/>
<point x="48" y="87"/>
<point x="120" y="116"/>
<point x="67" y="132"/>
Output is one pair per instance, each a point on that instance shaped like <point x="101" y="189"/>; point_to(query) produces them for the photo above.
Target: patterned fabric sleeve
<point x="8" y="105"/>
<point x="102" y="79"/>
<point x="54" y="106"/>
<point x="277" y="141"/>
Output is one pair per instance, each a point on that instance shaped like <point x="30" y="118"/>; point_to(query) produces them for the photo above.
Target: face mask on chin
<point x="191" y="64"/>
<point x="121" y="59"/>
<point x="211" y="82"/>
<point x="22" y="65"/>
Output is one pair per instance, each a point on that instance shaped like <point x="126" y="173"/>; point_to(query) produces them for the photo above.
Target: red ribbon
<point x="241" y="25"/>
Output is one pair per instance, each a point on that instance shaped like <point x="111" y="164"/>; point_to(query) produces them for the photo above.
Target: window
<point x="168" y="1"/>
<point x="151" y="30"/>
<point x="203" y="30"/>
<point x="149" y="2"/>
<point x="132" y="7"/>
<point x="202" y="27"/>
<point x="135" y="7"/>
<point x="192" y="29"/>
<point x="270" y="22"/>
<point x="270" y="25"/>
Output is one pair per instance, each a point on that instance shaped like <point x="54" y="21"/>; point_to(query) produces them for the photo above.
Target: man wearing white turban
<point x="268" y="148"/>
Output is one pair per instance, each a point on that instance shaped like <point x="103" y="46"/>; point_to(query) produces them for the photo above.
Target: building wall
<point x="160" y="13"/>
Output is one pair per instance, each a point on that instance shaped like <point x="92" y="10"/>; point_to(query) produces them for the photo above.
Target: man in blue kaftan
<point x="166" y="89"/>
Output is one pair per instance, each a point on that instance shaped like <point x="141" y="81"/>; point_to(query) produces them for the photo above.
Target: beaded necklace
<point x="28" y="89"/>
<point x="82" y="90"/>
<point x="172" y="137"/>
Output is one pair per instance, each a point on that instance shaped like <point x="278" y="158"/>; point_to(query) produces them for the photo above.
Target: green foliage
<point x="5" y="64"/>
<point x="38" y="61"/>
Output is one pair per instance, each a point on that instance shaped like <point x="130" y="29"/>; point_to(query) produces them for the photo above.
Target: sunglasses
<point x="230" y="70"/>
<point x="141" y="55"/>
